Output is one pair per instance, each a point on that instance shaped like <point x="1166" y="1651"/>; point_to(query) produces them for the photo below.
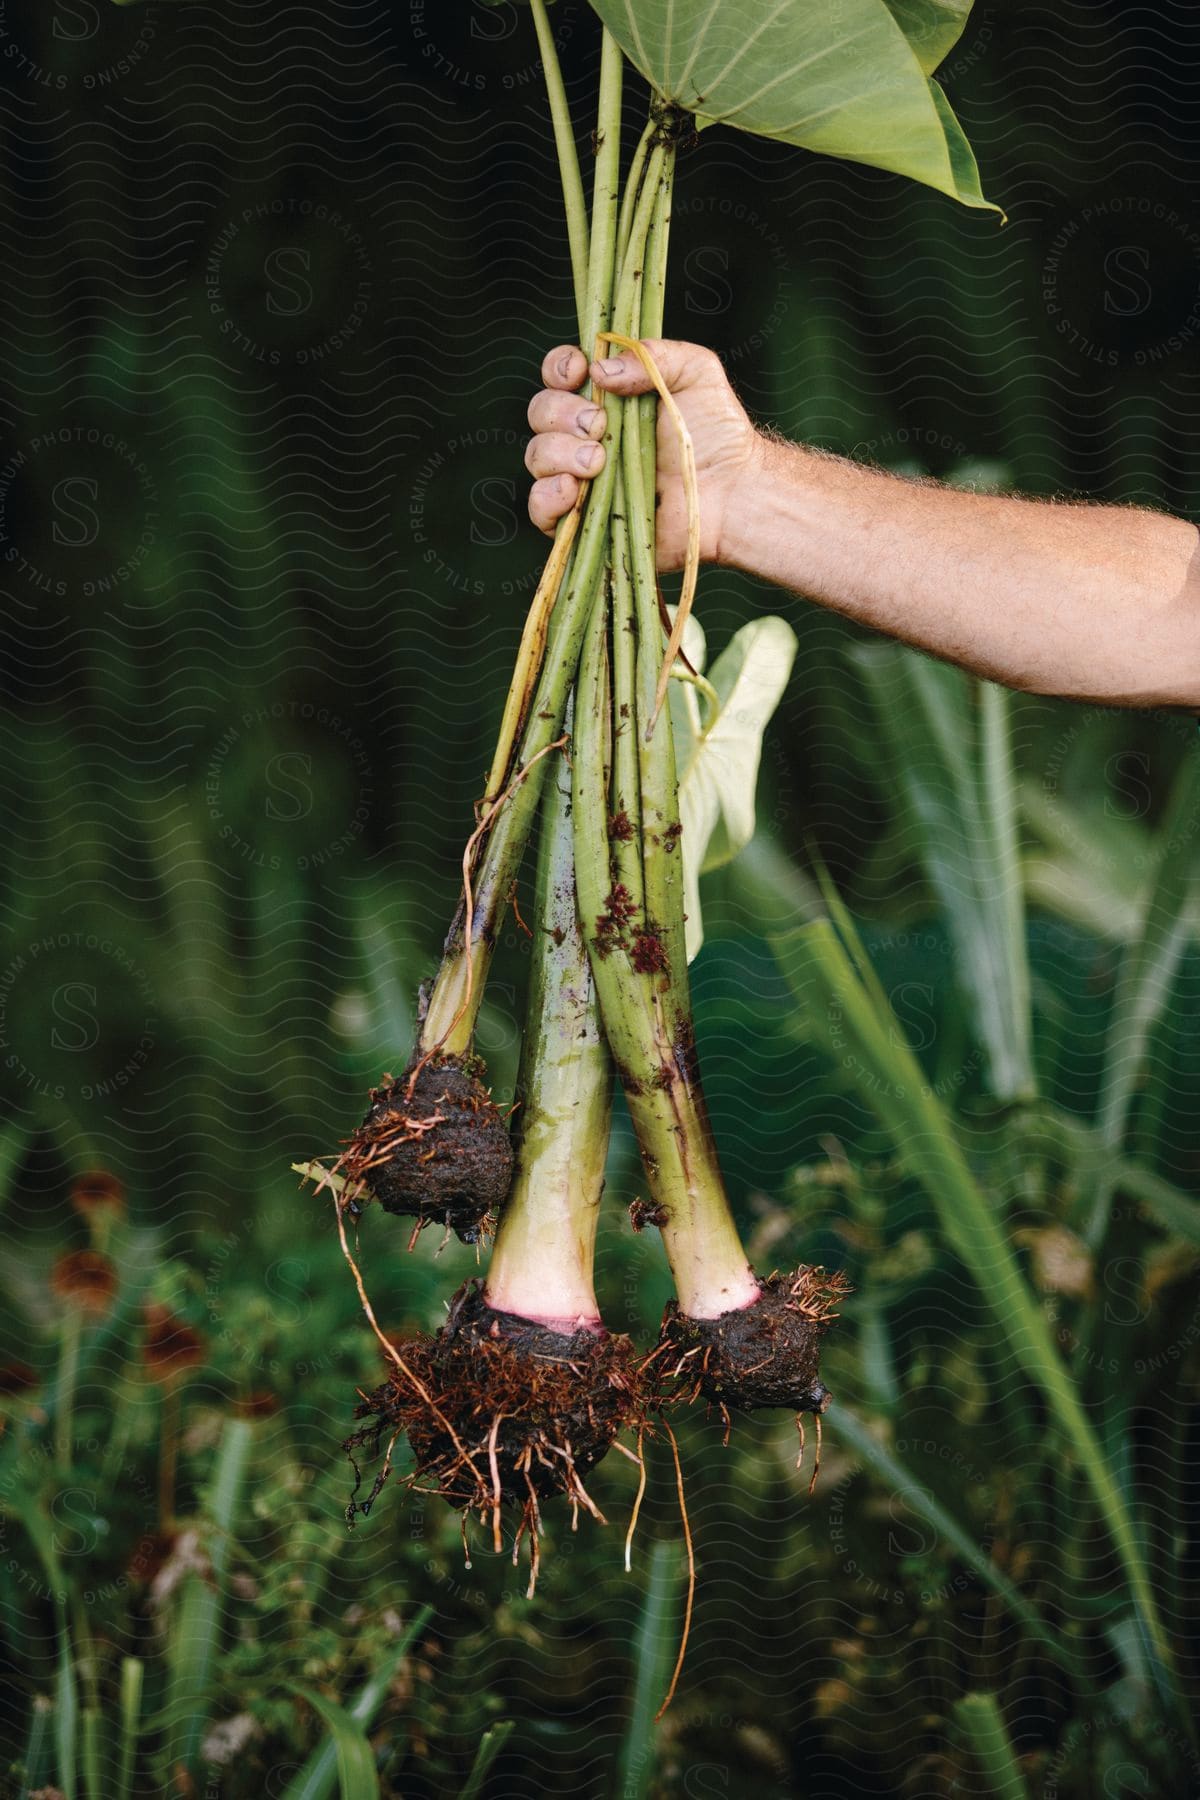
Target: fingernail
<point x="614" y="366"/>
<point x="590" y="457"/>
<point x="590" y="417"/>
<point x="564" y="365"/>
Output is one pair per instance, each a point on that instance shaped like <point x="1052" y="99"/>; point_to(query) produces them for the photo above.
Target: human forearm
<point x="1089" y="602"/>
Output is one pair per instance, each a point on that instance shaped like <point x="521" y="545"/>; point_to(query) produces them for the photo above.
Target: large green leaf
<point x="852" y="81"/>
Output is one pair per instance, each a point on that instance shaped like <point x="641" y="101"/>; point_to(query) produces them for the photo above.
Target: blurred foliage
<point x="279" y="280"/>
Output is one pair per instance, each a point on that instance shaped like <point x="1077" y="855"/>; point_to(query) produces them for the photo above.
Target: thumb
<point x="621" y="372"/>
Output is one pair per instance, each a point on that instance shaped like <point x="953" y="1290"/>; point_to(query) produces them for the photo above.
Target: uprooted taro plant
<point x="642" y="770"/>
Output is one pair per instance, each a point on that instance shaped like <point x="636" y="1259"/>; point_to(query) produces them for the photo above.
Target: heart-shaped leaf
<point x="852" y="81"/>
<point x="718" y="742"/>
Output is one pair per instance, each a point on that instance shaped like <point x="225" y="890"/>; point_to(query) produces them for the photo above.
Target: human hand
<point x="568" y="425"/>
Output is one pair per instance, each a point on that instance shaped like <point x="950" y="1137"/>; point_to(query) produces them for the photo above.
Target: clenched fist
<point x="568" y="427"/>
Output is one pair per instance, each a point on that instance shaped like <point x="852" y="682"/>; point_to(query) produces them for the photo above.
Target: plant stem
<point x="454" y="1002"/>
<point x="630" y="888"/>
<point x="168" y="1453"/>
<point x="592" y="315"/>
<point x="202" y="1597"/>
<point x="568" y="156"/>
<point x="587" y="258"/>
<point x="633" y="187"/>
<point x="132" y="1673"/>
<point x="606" y="193"/>
<point x="68" y="1375"/>
<point x="657" y="1069"/>
<point x="712" y="1275"/>
<point x="623" y="828"/>
<point x="661" y="828"/>
<point x="541" y="1265"/>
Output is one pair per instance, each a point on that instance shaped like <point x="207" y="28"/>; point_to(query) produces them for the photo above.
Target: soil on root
<point x="499" y="1410"/>
<point x="767" y="1354"/>
<point x="440" y="1154"/>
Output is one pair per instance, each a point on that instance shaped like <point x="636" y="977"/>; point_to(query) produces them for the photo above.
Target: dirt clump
<point x="767" y="1354"/>
<point x="435" y="1149"/>
<point x="500" y="1410"/>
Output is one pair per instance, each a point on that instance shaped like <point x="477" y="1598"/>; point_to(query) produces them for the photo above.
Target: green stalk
<point x="319" y="1776"/>
<point x="591" y="293"/>
<point x="621" y="743"/>
<point x="1148" y="970"/>
<point x="658" y="1075"/>
<point x="633" y="187"/>
<point x="132" y="1673"/>
<point x="653" y="1649"/>
<point x="660" y="788"/>
<point x="68" y="1374"/>
<point x="606" y="194"/>
<point x="631" y="888"/>
<point x="454" y="1002"/>
<point x="196" y="1636"/>
<point x="981" y="1723"/>
<point x="568" y="156"/>
<point x="624" y="827"/>
<point x="541" y="1265"/>
<point x="38" y="1757"/>
<point x="490" y="1746"/>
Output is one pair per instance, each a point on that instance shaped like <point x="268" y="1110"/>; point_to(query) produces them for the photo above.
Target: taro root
<point x="764" y="1354"/>
<point x="439" y="1154"/>
<point x="500" y="1410"/>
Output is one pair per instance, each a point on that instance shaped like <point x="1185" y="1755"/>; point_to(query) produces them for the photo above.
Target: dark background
<point x="277" y="282"/>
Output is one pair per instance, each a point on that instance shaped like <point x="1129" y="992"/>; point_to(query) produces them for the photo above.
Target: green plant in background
<point x="947" y="739"/>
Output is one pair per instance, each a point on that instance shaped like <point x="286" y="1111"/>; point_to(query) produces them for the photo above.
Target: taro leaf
<point x="932" y="27"/>
<point x="853" y="82"/>
<point x="718" y="746"/>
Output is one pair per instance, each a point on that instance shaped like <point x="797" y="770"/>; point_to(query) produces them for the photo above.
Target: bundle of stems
<point x="523" y="1389"/>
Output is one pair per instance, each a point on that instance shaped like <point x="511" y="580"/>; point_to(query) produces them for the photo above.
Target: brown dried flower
<point x="170" y="1345"/>
<point x="98" y="1192"/>
<point x="86" y="1280"/>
